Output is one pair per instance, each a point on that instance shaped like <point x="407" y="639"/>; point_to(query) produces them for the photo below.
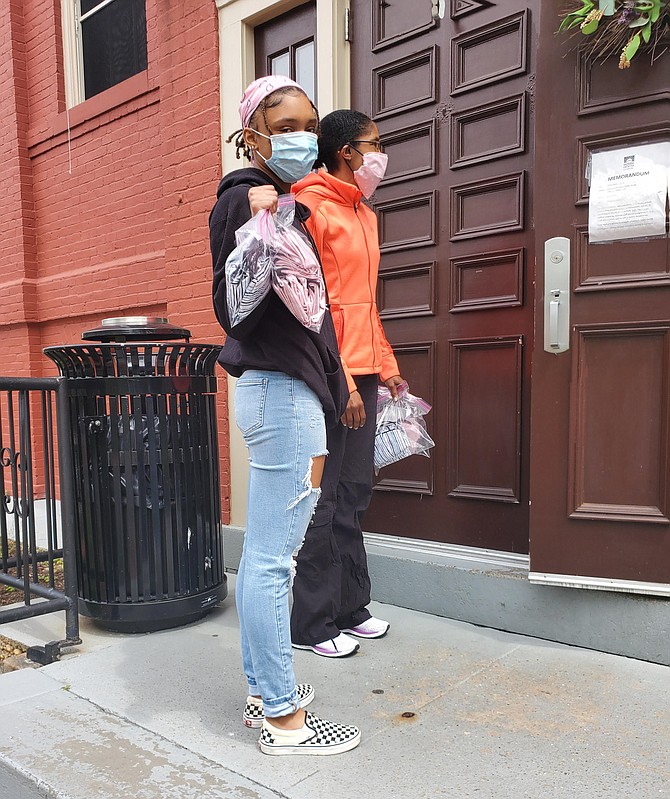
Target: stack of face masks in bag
<point x="249" y="267"/>
<point x="272" y="254"/>
<point x="401" y="430"/>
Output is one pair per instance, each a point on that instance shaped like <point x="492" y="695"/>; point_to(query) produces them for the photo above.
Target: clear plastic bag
<point x="249" y="267"/>
<point x="296" y="272"/>
<point x="401" y="430"/>
<point x="272" y="253"/>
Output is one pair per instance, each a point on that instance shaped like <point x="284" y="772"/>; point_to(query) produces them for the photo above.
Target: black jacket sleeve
<point x="228" y="215"/>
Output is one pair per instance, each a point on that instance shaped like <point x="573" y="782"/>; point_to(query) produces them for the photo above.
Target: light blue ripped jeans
<point x="283" y="426"/>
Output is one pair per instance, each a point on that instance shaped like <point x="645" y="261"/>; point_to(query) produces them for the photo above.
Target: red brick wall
<point x="113" y="221"/>
<point x="17" y="250"/>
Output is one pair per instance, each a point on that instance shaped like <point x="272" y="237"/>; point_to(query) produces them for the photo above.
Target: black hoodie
<point x="270" y="338"/>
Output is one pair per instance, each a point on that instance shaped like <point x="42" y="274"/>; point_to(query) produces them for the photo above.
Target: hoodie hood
<point x="248" y="176"/>
<point x="327" y="187"/>
<point x="252" y="176"/>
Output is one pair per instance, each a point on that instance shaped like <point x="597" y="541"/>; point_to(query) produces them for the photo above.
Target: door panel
<point x="453" y="102"/>
<point x="395" y="22"/>
<point x="415" y="475"/>
<point x="485" y="383"/>
<point x="618" y="368"/>
<point x="601" y="410"/>
<point x="490" y="53"/>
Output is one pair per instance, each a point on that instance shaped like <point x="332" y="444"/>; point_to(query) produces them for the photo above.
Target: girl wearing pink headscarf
<point x="290" y="387"/>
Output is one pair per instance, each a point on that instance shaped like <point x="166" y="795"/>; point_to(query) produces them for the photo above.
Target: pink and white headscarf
<point x="257" y="92"/>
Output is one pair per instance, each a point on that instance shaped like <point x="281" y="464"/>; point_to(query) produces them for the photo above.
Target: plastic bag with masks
<point x="272" y="253"/>
<point x="401" y="430"/>
<point x="296" y="271"/>
<point x="249" y="267"/>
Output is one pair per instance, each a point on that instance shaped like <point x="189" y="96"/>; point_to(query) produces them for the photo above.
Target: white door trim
<point x="600" y="583"/>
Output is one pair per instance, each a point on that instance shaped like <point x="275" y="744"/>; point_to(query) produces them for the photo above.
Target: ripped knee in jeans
<point x="317" y="465"/>
<point x="311" y="487"/>
<point x="311" y="483"/>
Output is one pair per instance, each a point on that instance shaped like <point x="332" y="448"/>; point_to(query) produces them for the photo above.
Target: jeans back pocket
<point x="250" y="396"/>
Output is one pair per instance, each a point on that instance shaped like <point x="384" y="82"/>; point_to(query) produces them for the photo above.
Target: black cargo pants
<point x="331" y="589"/>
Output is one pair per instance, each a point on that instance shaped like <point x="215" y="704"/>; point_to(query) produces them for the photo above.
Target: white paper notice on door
<point x="628" y="192"/>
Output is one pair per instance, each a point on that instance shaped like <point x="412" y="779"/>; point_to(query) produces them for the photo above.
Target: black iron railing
<point x="37" y="523"/>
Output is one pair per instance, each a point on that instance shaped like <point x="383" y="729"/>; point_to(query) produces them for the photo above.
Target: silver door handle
<point x="554" y="306"/>
<point x="557" y="295"/>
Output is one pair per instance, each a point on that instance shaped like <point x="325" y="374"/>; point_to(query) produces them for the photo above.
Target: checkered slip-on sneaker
<point x="253" y="710"/>
<point x="315" y="737"/>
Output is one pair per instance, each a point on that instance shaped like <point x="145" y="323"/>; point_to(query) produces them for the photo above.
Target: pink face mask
<point x="369" y="175"/>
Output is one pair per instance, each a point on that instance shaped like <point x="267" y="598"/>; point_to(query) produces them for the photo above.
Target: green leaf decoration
<point x="590" y="27"/>
<point x="632" y="47"/>
<point x="571" y="20"/>
<point x="617" y="28"/>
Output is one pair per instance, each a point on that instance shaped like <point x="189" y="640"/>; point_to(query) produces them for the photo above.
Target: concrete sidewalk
<point x="446" y="710"/>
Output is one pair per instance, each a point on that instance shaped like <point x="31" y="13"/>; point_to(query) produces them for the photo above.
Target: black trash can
<point x="145" y="454"/>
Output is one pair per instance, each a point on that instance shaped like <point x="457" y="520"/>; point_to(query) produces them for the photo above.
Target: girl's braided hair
<point x="271" y="101"/>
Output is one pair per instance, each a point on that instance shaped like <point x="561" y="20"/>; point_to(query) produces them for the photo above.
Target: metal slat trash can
<point x="145" y="454"/>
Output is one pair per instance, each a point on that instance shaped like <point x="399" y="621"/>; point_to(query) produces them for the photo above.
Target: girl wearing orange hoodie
<point x="331" y="589"/>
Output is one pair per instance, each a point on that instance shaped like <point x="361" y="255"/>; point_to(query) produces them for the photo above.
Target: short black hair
<point x="337" y="129"/>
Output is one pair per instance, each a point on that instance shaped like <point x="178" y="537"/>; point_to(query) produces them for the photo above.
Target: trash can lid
<point x="136" y="328"/>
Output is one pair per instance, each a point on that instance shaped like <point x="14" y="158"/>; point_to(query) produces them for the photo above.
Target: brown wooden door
<point x="286" y="46"/>
<point x="600" y="471"/>
<point x="453" y="99"/>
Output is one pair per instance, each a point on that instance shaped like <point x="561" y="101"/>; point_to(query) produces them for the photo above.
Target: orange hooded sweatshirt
<point x="345" y="232"/>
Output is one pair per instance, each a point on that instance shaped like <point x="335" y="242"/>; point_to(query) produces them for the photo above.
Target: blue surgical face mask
<point x="293" y="154"/>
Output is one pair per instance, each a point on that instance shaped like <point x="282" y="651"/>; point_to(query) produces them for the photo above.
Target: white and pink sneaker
<point x="372" y="628"/>
<point x="339" y="647"/>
